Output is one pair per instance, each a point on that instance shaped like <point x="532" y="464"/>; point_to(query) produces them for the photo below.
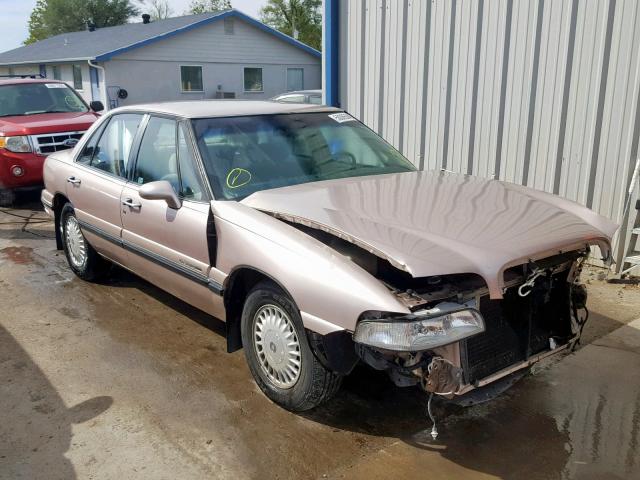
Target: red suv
<point x="37" y="117"/>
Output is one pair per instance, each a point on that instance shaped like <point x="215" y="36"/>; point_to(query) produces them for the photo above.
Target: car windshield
<point x="33" y="98"/>
<point x="243" y="155"/>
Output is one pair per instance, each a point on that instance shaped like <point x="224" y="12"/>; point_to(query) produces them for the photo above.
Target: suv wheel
<point x="278" y="353"/>
<point x="82" y="258"/>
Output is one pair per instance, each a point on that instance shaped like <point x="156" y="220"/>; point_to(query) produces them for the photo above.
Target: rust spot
<point x="20" y="255"/>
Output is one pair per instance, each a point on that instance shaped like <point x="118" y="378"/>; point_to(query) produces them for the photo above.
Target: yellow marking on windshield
<point x="238" y="177"/>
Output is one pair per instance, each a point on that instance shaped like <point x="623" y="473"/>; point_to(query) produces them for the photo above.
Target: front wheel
<point x="278" y="353"/>
<point x="82" y="258"/>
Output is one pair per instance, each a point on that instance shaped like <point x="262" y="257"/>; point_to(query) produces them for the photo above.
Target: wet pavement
<point x="120" y="380"/>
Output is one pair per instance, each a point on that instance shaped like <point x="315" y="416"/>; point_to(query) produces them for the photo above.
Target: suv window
<point x="157" y="159"/>
<point x="34" y="98"/>
<point x="111" y="153"/>
<point x="191" y="185"/>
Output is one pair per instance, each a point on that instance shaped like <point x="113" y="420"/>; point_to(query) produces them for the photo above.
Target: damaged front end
<point x="457" y="338"/>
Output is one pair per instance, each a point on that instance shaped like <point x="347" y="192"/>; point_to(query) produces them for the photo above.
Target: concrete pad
<point x="119" y="380"/>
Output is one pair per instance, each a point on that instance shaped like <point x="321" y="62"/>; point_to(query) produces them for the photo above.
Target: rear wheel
<point x="82" y="258"/>
<point x="278" y="353"/>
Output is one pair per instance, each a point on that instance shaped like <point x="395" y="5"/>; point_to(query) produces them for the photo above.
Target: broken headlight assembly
<point x="441" y="325"/>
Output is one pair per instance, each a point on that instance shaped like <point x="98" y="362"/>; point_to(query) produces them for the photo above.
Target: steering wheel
<point x="340" y="157"/>
<point x="345" y="157"/>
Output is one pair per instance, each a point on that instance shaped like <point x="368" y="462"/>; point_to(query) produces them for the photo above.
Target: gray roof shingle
<point x="102" y="43"/>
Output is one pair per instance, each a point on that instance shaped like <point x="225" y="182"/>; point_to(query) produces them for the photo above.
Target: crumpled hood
<point x="436" y="223"/>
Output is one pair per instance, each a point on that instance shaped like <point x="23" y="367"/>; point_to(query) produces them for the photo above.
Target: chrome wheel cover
<point x="277" y="346"/>
<point x="76" y="244"/>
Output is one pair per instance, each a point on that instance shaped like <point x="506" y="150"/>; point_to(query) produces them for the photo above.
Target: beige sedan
<point x="321" y="246"/>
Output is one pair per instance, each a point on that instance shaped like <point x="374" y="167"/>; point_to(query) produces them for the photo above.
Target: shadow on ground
<point x="35" y="445"/>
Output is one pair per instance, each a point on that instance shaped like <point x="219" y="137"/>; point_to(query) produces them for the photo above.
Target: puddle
<point x="19" y="255"/>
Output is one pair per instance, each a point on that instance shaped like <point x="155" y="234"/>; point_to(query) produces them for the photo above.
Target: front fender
<point x="329" y="289"/>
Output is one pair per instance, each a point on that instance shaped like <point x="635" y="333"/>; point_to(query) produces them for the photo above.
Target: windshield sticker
<point x="341" y="117"/>
<point x="55" y="85"/>
<point x="238" y="177"/>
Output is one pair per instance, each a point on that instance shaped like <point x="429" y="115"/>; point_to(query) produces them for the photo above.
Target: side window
<point x="253" y="79"/>
<point x="157" y="158"/>
<point x="87" y="152"/>
<point x="77" y="77"/>
<point x="111" y="154"/>
<point x="315" y="99"/>
<point x="189" y="179"/>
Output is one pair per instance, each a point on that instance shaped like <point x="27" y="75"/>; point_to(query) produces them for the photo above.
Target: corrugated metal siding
<point x="543" y="93"/>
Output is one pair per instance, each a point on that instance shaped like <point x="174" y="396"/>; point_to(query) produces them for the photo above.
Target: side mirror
<point x="96" y="106"/>
<point x="160" y="190"/>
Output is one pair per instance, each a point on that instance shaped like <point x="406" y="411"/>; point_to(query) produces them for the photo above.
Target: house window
<point x="295" y="79"/>
<point x="77" y="77"/>
<point x="253" y="80"/>
<point x="191" y="78"/>
<point x="228" y="26"/>
<point x="56" y="72"/>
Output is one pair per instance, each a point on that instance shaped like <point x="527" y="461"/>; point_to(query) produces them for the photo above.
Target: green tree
<point x="52" y="17"/>
<point x="37" y="29"/>
<point x="299" y="19"/>
<point x="205" y="6"/>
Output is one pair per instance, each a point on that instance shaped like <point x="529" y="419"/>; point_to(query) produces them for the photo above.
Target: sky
<point x="15" y="15"/>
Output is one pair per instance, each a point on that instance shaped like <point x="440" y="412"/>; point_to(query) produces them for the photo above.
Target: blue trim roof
<point x="105" y="43"/>
<point x="222" y="15"/>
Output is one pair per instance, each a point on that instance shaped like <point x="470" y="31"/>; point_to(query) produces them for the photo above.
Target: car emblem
<point x="70" y="142"/>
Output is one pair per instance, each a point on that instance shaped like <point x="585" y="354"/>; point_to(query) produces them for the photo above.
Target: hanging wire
<point x="434" y="429"/>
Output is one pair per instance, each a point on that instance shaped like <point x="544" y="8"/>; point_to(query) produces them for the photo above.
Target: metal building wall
<point x="538" y="92"/>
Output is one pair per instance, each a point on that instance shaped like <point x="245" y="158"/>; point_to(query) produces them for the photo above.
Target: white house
<point x="211" y="55"/>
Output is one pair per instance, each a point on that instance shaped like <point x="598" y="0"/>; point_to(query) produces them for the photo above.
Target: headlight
<point x="16" y="144"/>
<point x="446" y="323"/>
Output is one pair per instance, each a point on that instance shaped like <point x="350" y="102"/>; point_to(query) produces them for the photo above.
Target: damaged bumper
<point x="470" y="341"/>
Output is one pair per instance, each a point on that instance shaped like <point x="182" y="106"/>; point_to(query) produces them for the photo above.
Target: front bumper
<point x="520" y="331"/>
<point x="31" y="165"/>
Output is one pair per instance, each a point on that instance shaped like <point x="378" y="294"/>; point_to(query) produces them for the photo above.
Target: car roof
<point x="224" y="108"/>
<point x="301" y="92"/>
<point x="18" y="80"/>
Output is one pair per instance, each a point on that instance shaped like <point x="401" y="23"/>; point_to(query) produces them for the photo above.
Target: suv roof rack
<point x="27" y="75"/>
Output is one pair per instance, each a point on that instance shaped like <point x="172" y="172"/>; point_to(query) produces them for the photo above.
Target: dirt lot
<point x="119" y="380"/>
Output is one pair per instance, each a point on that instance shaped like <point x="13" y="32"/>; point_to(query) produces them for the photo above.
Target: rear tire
<point x="81" y="256"/>
<point x="278" y="353"/>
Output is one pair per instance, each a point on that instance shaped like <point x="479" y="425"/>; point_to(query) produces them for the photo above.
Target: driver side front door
<point x="167" y="246"/>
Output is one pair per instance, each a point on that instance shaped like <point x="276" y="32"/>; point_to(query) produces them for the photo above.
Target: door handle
<point x="129" y="203"/>
<point x="74" y="180"/>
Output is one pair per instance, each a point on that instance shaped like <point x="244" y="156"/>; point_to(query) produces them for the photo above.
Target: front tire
<point x="81" y="256"/>
<point x="278" y="353"/>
